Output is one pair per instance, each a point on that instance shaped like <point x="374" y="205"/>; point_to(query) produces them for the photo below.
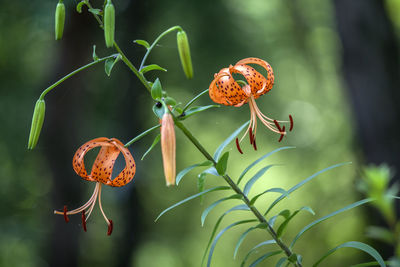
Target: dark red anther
<point x="238" y="146"/>
<point x="65" y="214"/>
<point x="291" y="122"/>
<point x="251" y="136"/>
<point x="110" y="227"/>
<point x="277" y="125"/>
<point x="282" y="134"/>
<point x="83" y="220"/>
<point x="254" y="144"/>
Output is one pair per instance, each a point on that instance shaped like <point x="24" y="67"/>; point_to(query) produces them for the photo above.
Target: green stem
<point x="48" y="89"/>
<point x="235" y="188"/>
<point x="194" y="99"/>
<point x="156" y="41"/>
<point x="142" y="135"/>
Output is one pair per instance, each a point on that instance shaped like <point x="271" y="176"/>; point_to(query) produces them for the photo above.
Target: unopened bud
<point x="109" y="23"/>
<point x="59" y="20"/>
<point x="37" y="122"/>
<point x="168" y="148"/>
<point x="184" y="53"/>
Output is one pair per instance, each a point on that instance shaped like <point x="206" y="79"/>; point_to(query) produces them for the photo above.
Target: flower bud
<point x="168" y="148"/>
<point x="37" y="122"/>
<point x="59" y="20"/>
<point x="184" y="53"/>
<point x="109" y="23"/>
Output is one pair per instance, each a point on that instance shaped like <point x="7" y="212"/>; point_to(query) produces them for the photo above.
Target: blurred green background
<point x="300" y="39"/>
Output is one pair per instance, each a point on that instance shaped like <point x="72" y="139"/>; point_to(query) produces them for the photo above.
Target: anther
<point x="277" y="125"/>
<point x="65" y="214"/>
<point x="238" y="146"/>
<point x="291" y="122"/>
<point x="251" y="136"/>
<point x="254" y="144"/>
<point x="110" y="227"/>
<point x="282" y="134"/>
<point x="83" y="220"/>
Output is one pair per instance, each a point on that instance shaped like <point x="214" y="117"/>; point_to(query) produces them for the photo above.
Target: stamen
<point x="238" y="146"/>
<point x="251" y="136"/>
<point x="254" y="144"/>
<point x="83" y="220"/>
<point x="110" y="227"/>
<point x="291" y="122"/>
<point x="277" y="125"/>
<point x="282" y="134"/>
<point x="65" y="214"/>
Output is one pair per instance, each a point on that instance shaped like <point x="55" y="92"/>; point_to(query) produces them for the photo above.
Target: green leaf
<point x="217" y="188"/>
<point x="94" y="55"/>
<point x="357" y="245"/>
<point x="185" y="171"/>
<point x="156" y="90"/>
<point x="228" y="140"/>
<point x="381" y="234"/>
<point x="259" y="160"/>
<point x="79" y="6"/>
<point x="264" y="243"/>
<point x="109" y="64"/>
<point x="264" y="257"/>
<point x="211" y="171"/>
<point x="257" y="176"/>
<point x="194" y="110"/>
<point x="281" y="261"/>
<point x="95" y="11"/>
<point x="213" y="205"/>
<point x="143" y="43"/>
<point x="297" y="186"/>
<point x="283" y="225"/>
<point x="200" y="184"/>
<point x="222" y="164"/>
<point x="284" y="213"/>
<point x="275" y="190"/>
<point x="155" y="142"/>
<point x="170" y="101"/>
<point x="151" y="67"/>
<point x="243" y="236"/>
<point x="221" y="233"/>
<point x="238" y="207"/>
<point x="309" y="226"/>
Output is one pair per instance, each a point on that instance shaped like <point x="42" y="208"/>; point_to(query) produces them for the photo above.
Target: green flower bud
<point x="109" y="23"/>
<point x="184" y="53"/>
<point x="37" y="122"/>
<point x="59" y="20"/>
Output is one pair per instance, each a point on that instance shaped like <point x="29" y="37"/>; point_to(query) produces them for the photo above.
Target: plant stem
<point x="48" y="89"/>
<point x="235" y="188"/>
<point x="155" y="42"/>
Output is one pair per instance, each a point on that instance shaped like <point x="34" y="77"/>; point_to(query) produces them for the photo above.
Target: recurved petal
<point x="225" y="90"/>
<point x="127" y="174"/>
<point x="257" y="82"/>
<point x="103" y="165"/>
<point x="78" y="162"/>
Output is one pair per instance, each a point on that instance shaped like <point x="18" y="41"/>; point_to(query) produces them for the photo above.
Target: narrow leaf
<point x="191" y="111"/>
<point x="95" y="11"/>
<point x="142" y="43"/>
<point x="281" y="261"/>
<point x="264" y="257"/>
<point x="217" y="188"/>
<point x="381" y="233"/>
<point x="243" y="236"/>
<point x="151" y="67"/>
<point x="357" y="245"/>
<point x="213" y="205"/>
<point x="222" y="164"/>
<point x="283" y="225"/>
<point x="200" y="184"/>
<point x="259" y="160"/>
<point x="303" y="182"/>
<point x="238" y="207"/>
<point x="185" y="171"/>
<point x="275" y="190"/>
<point x="309" y="226"/>
<point x="109" y="64"/>
<point x="212" y="171"/>
<point x="228" y="140"/>
<point x="156" y="90"/>
<point x="284" y="213"/>
<point x="257" y="176"/>
<point x="94" y="55"/>
<point x="155" y="142"/>
<point x="220" y="234"/>
<point x="268" y="242"/>
<point x="79" y="6"/>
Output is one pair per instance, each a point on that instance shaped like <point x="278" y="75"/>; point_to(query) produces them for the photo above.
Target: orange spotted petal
<point x="103" y="165"/>
<point x="256" y="81"/>
<point x="127" y="174"/>
<point x="78" y="162"/>
<point x="225" y="90"/>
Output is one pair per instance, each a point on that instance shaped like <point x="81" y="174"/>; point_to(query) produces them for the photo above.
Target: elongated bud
<point x="59" y="20"/>
<point x="37" y="122"/>
<point x="109" y="23"/>
<point x="184" y="53"/>
<point x="168" y="148"/>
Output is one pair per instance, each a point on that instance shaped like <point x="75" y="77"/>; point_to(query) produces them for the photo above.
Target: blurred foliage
<point x="299" y="40"/>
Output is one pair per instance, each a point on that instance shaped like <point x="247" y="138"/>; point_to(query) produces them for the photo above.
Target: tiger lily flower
<point x="224" y="89"/>
<point x="101" y="174"/>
